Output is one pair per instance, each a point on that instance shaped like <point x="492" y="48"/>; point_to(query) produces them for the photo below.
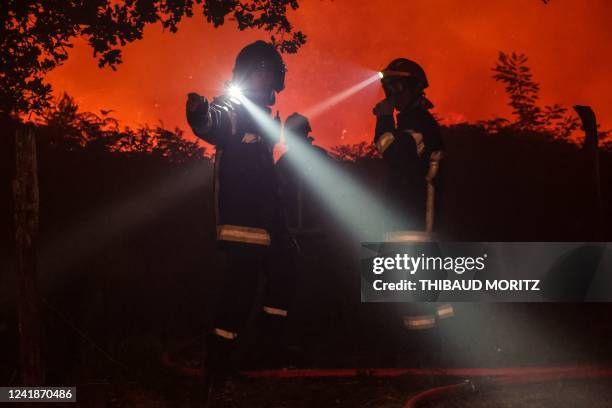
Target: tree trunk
<point x="25" y="190"/>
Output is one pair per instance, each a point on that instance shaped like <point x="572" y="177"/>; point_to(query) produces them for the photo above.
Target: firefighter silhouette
<point x="304" y="212"/>
<point x="301" y="169"/>
<point x="251" y="227"/>
<point x="408" y="137"/>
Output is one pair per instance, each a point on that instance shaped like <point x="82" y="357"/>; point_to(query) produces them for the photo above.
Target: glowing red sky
<point x="456" y="41"/>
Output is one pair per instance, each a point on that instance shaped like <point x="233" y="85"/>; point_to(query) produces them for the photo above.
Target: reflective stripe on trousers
<point x="419" y="322"/>
<point x="225" y="334"/>
<point x="275" y="311"/>
<point x="445" y="311"/>
<point x="247" y="235"/>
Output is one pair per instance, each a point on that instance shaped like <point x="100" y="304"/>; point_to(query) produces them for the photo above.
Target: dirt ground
<point x="556" y="394"/>
<point x="345" y="393"/>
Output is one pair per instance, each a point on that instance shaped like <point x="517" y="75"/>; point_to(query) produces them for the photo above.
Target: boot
<point x="218" y="366"/>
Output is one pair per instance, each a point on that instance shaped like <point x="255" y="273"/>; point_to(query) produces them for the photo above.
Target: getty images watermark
<point x="486" y="272"/>
<point x="458" y="265"/>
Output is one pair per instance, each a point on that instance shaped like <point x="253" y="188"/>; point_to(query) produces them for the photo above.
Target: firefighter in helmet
<point x="294" y="167"/>
<point x="409" y="142"/>
<point x="251" y="228"/>
<point x="408" y="137"/>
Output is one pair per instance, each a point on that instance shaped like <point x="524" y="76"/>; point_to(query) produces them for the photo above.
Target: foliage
<point x="65" y="126"/>
<point x="36" y="35"/>
<point x="605" y="140"/>
<point x="520" y="87"/>
<point x="348" y="152"/>
<point x="523" y="92"/>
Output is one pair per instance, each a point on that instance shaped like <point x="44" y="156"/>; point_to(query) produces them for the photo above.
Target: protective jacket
<point x="247" y="202"/>
<point x="412" y="149"/>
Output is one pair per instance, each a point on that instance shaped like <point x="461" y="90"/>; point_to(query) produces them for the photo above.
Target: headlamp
<point x="387" y="73"/>
<point x="234" y="90"/>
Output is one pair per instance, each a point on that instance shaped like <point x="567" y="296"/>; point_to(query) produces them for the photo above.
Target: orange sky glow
<point x="456" y="41"/>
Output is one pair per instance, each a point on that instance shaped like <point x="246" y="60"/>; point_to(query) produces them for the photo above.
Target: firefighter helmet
<point x="260" y="55"/>
<point x="406" y="72"/>
<point x="298" y="124"/>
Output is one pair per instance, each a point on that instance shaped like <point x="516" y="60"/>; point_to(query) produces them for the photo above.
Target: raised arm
<point x="212" y="122"/>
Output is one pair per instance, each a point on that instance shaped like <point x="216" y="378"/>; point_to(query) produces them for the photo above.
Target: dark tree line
<point x="64" y="126"/>
<point x="523" y="93"/>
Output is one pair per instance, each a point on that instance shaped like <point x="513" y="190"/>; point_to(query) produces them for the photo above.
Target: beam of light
<point x="358" y="210"/>
<point x="365" y="216"/>
<point x="339" y="97"/>
<point x="65" y="248"/>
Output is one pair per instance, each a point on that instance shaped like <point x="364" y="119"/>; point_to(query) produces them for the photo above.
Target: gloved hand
<point x="383" y="108"/>
<point x="197" y="110"/>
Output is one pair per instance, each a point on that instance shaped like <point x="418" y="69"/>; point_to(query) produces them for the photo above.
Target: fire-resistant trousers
<point x="246" y="265"/>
